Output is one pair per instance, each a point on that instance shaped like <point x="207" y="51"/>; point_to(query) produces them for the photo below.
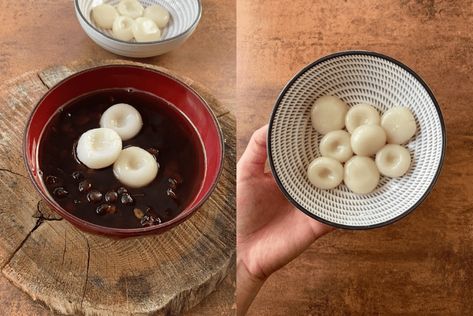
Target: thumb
<point x="253" y="159"/>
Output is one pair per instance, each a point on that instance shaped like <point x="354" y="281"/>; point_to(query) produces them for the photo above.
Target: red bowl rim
<point x="112" y="231"/>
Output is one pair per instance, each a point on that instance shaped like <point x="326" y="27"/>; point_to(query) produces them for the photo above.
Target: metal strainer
<point x="355" y="77"/>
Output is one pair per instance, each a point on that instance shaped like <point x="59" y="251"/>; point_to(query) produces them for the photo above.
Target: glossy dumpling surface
<point x="158" y="14"/>
<point x="123" y="28"/>
<point x="122" y="118"/>
<point x="99" y="147"/>
<point x="130" y="8"/>
<point x="328" y="114"/>
<point x="325" y="173"/>
<point x="104" y="15"/>
<point x="399" y="124"/>
<point x="336" y="145"/>
<point x="145" y="30"/>
<point x="361" y="174"/>
<point x="393" y="160"/>
<point x="366" y="140"/>
<point x="361" y="114"/>
<point x="135" y="167"/>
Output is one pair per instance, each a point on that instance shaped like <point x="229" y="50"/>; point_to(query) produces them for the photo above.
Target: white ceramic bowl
<point x="185" y="15"/>
<point x="355" y="77"/>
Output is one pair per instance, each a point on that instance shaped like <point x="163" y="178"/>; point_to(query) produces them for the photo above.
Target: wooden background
<point x="420" y="265"/>
<point x="36" y="34"/>
<point x="424" y="263"/>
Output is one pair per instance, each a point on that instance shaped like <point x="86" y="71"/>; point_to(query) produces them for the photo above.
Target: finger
<point x="318" y="229"/>
<point x="254" y="158"/>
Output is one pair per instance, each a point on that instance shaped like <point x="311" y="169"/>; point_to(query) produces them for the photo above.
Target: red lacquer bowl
<point x="140" y="78"/>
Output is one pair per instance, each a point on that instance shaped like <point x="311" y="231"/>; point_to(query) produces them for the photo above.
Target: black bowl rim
<point x="191" y="27"/>
<point x="356" y="53"/>
<point x="113" y="231"/>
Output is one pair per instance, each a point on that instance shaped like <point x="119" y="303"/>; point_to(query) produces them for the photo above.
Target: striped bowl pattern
<point x="355" y="77"/>
<point x="185" y="15"/>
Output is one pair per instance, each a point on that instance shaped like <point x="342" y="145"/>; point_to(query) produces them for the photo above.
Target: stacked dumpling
<point x="102" y="147"/>
<point x="367" y="135"/>
<point x="130" y="20"/>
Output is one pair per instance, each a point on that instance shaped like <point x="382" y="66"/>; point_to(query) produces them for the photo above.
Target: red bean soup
<point x="95" y="195"/>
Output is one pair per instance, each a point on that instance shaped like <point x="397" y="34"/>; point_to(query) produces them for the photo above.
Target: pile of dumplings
<point x="102" y="147"/>
<point x="367" y="135"/>
<point x="130" y="20"/>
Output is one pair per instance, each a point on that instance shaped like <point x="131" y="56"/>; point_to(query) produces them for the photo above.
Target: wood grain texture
<point x="422" y="265"/>
<point x="74" y="272"/>
<point x="57" y="38"/>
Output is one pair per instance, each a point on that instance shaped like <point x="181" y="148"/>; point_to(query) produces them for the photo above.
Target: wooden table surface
<point x="422" y="264"/>
<point x="36" y="34"/>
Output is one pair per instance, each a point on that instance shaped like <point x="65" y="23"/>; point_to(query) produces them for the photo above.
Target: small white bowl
<point x="185" y="15"/>
<point x="355" y="77"/>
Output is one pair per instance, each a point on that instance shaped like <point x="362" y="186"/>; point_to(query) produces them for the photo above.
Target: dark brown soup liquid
<point x="96" y="195"/>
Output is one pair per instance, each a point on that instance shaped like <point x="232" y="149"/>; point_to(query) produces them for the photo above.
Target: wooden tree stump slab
<point x="74" y="272"/>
